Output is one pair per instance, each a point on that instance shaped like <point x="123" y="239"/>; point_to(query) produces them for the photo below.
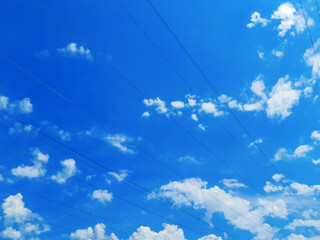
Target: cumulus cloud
<point x="120" y="141"/>
<point x="11" y="233"/>
<point x="315" y="135"/>
<point x="157" y="103"/>
<point x="257" y="19"/>
<point x="313" y="60"/>
<point x="209" y="107"/>
<point x="25" y="105"/>
<point x="277" y="104"/>
<point x="270" y="187"/>
<point x="282" y="98"/>
<point x="19" y="221"/>
<point x="98" y="232"/>
<point x="19" y="128"/>
<point x="36" y="170"/>
<point x="72" y="50"/>
<point x="299" y="152"/>
<point x="195" y="193"/>
<point x="22" y="106"/>
<point x="102" y="196"/>
<point x="303" y="223"/>
<point x="169" y="232"/>
<point x="290" y="18"/>
<point x="177" y="104"/>
<point x="278" y="53"/>
<point x="298" y="188"/>
<point x="4" y="101"/>
<point x="69" y="169"/>
<point x="146" y="114"/>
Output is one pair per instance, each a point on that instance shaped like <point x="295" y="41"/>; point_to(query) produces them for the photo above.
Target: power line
<point x="52" y="200"/>
<point x="144" y="95"/>
<point x="121" y="76"/>
<point x="44" y="221"/>
<point x="144" y="151"/>
<point x="222" y="101"/>
<point x="114" y="195"/>
<point x="181" y="77"/>
<point x="318" y="10"/>
<point x="125" y="179"/>
<point x="309" y="33"/>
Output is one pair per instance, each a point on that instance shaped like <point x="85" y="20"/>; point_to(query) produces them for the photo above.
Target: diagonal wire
<point x="221" y="99"/>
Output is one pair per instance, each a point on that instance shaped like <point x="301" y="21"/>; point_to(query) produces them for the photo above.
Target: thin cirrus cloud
<point x="121" y="142"/>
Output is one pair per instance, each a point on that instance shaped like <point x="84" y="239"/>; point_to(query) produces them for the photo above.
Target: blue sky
<point x="123" y="156"/>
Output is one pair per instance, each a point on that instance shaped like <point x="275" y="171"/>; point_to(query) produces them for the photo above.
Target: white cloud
<point x="72" y="50"/>
<point x="233" y="183"/>
<point x="177" y="104"/>
<point x="25" y="105"/>
<point x="202" y="127"/>
<point x="313" y="60"/>
<point x="299" y="152"/>
<point x="146" y="114"/>
<point x="36" y="170"/>
<point x="192" y="102"/>
<point x="64" y="135"/>
<point x="277" y="104"/>
<point x="188" y="159"/>
<point x="14" y="209"/>
<point x="302" y="189"/>
<point x="158" y="103"/>
<point x="290" y="18"/>
<point x="302" y="150"/>
<point x="119" y="141"/>
<point x="11" y="233"/>
<point x="261" y="55"/>
<point x="255" y="19"/>
<point x="277" y="177"/>
<point x="257" y="141"/>
<point x="121" y="175"/>
<point x="315" y="135"/>
<point x="209" y="107"/>
<point x="282" y="98"/>
<point x="69" y="169"/>
<point x="194" y="117"/>
<point x="19" y="128"/>
<point x="278" y="53"/>
<point x="102" y="195"/>
<point x="269" y="187"/>
<point x="210" y="237"/>
<point x="4" y="101"/>
<point x="194" y="193"/>
<point x="303" y="223"/>
<point x="316" y="162"/>
<point x="98" y="232"/>
<point x="25" y="222"/>
<point x="170" y="232"/>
